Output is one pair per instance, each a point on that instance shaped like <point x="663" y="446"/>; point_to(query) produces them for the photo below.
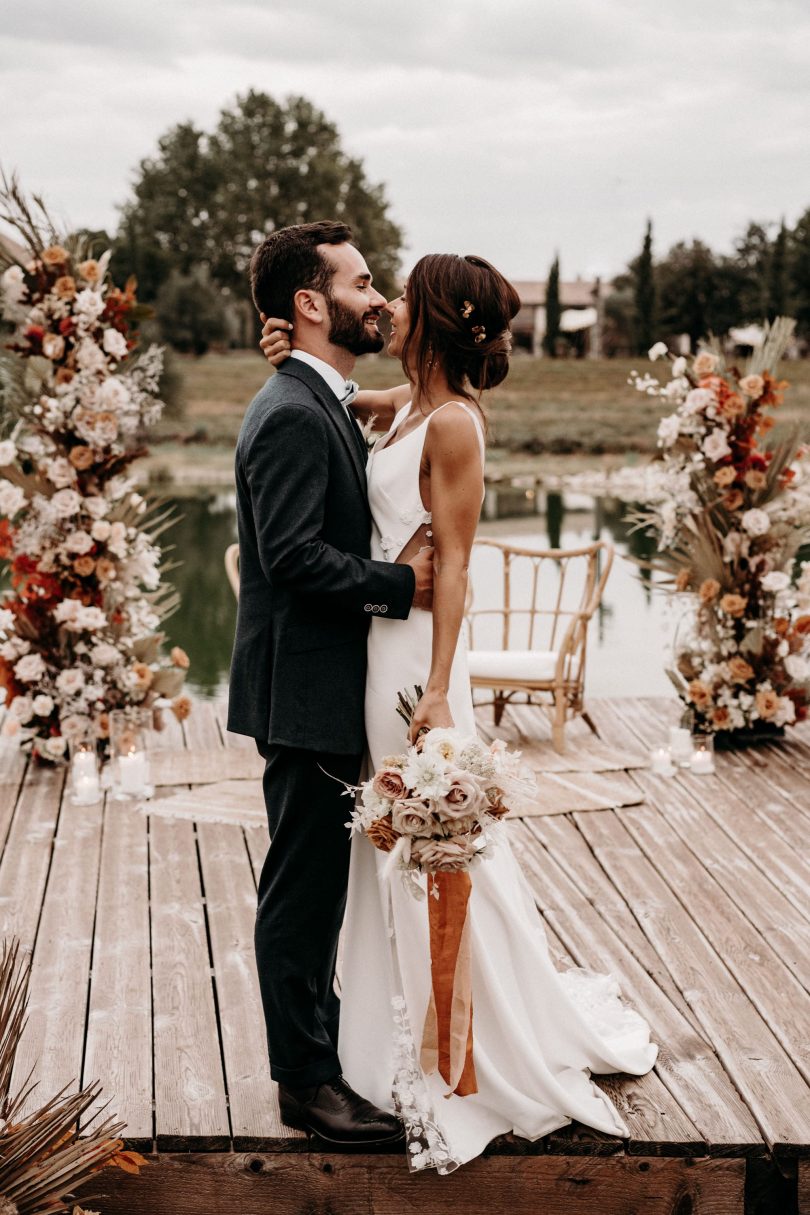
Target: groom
<point x="308" y="590"/>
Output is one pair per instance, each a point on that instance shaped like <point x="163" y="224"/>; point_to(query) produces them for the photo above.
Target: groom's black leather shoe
<point x="337" y="1114"/>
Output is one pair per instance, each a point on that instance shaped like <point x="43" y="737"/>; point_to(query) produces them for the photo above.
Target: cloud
<point x="512" y="130"/>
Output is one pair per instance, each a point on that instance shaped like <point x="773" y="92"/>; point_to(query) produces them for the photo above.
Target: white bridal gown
<point x="537" y="1034"/>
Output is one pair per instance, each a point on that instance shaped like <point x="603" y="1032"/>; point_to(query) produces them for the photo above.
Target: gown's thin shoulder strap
<point x="468" y="409"/>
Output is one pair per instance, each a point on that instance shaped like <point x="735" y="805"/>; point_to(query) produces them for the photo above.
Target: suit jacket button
<point x="384" y="608"/>
<point x="367" y="608"/>
<point x="376" y="607"/>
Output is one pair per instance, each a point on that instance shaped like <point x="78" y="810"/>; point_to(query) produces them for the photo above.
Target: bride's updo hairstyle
<point x="459" y="309"/>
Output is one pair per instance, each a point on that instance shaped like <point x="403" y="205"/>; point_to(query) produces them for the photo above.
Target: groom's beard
<point x="350" y="331"/>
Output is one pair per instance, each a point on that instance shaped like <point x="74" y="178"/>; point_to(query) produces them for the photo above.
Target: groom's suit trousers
<point x="302" y="898"/>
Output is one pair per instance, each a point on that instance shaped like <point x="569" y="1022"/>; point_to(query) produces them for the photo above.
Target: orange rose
<point x="699" y="694"/>
<point x="733" y="500"/>
<point x="105" y="569"/>
<point x="84" y="566"/>
<point x="704" y="363"/>
<point x="755" y="479"/>
<point x="709" y="590"/>
<point x="65" y="287"/>
<point x="740" y="670"/>
<point x="733" y="406"/>
<point x="802" y="625"/>
<point x="180" y="658"/>
<point x="89" y="270"/>
<point x="64" y="375"/>
<point x="733" y="605"/>
<point x="143" y="676"/>
<point x="767" y="703"/>
<point x="765" y="424"/>
<point x="683" y="580"/>
<point x="781" y="625"/>
<point x="81" y="457"/>
<point x="721" y="717"/>
<point x="725" y="475"/>
<point x="181" y="707"/>
<point x="103" y="725"/>
<point x="381" y="834"/>
<point x="55" y="255"/>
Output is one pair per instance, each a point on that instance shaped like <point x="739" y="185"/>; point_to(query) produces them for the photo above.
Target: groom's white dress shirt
<point x="327" y="372"/>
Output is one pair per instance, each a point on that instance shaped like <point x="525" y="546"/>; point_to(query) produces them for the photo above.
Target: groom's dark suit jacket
<point x="308" y="588"/>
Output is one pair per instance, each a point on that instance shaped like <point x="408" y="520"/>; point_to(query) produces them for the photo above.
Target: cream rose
<point x="752" y="385"/>
<point x="411" y="816"/>
<point x="444" y="856"/>
<point x="464" y="797"/>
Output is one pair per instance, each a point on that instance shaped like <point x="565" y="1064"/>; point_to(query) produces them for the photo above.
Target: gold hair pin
<point x="480" y="334"/>
<point x="468" y="309"/>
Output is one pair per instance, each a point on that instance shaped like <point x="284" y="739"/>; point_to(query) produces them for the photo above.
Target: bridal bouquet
<point x="732" y="519"/>
<point x="434" y="807"/>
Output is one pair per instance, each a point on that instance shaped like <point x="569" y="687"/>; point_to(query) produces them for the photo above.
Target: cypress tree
<point x="553" y="309"/>
<point x="644" y="296"/>
<point x="777" y="280"/>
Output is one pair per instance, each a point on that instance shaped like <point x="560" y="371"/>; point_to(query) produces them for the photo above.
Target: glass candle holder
<point x="85" y="782"/>
<point x="129" y="757"/>
<point x="661" y="762"/>
<point x="703" y="755"/>
<point x="680" y="745"/>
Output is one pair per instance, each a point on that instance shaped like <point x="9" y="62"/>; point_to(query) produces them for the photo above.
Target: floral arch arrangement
<point x="732" y="517"/>
<point x="79" y="625"/>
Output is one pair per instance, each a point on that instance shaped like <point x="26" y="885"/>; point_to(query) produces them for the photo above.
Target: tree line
<point x="695" y="291"/>
<point x="200" y="204"/>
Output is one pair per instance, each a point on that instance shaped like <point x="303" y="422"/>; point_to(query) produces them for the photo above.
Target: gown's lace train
<point x="538" y="1034"/>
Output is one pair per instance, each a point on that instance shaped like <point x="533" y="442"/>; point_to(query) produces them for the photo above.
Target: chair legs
<point x="498" y="706"/>
<point x="558" y="721"/>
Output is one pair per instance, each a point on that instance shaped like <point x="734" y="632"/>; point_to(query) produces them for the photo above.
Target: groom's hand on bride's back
<point x="422" y="566"/>
<point x="275" y="339"/>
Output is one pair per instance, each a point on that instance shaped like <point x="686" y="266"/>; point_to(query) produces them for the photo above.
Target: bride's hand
<point x="432" y="712"/>
<point x="275" y="339"/>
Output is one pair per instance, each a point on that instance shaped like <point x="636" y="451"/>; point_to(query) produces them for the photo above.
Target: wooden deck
<point x="141" y="930"/>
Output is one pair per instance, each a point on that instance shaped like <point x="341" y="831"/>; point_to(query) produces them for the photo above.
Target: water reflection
<point x="629" y="641"/>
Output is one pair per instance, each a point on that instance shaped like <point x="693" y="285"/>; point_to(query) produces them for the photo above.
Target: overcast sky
<point x="508" y="128"/>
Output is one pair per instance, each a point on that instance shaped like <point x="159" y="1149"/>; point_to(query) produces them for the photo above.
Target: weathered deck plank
<point x="230" y="906"/>
<point x="687" y="1064"/>
<point x="52" y="1044"/>
<point x="119" y="1024"/>
<point x="698" y="899"/>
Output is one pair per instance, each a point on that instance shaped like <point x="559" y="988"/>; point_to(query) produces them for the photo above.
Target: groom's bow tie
<point x="350" y="392"/>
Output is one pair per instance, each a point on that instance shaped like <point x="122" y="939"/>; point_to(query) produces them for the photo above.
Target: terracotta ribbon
<point x="447" y="1039"/>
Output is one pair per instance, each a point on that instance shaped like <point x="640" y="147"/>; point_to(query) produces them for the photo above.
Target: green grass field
<point x="575" y="412"/>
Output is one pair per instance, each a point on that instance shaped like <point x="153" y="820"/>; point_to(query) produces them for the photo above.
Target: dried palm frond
<point x="776" y="341"/>
<point x="47" y="1154"/>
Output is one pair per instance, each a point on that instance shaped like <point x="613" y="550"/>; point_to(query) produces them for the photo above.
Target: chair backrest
<point x="232" y="567"/>
<point x="536" y="599"/>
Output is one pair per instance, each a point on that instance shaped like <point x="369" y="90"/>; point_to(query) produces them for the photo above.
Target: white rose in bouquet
<point x="30" y="668"/>
<point x="756" y="522"/>
<point x="12" y="499"/>
<point x="115" y="344"/>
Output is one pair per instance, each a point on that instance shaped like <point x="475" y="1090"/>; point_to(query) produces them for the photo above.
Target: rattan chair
<point x="538" y="628"/>
<point x="232" y="567"/>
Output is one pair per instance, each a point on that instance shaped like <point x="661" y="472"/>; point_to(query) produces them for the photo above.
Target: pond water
<point x="630" y="635"/>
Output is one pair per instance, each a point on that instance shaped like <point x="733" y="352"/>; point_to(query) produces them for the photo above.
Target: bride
<point x="537" y="1034"/>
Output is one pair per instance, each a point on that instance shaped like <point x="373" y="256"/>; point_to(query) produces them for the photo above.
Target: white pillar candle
<point x="702" y="761"/>
<point x="680" y="745"/>
<point x="133" y="772"/>
<point x="661" y="762"/>
<point x="84" y="774"/>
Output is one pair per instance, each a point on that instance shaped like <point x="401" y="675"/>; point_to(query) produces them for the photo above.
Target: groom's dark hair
<point x="288" y="260"/>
